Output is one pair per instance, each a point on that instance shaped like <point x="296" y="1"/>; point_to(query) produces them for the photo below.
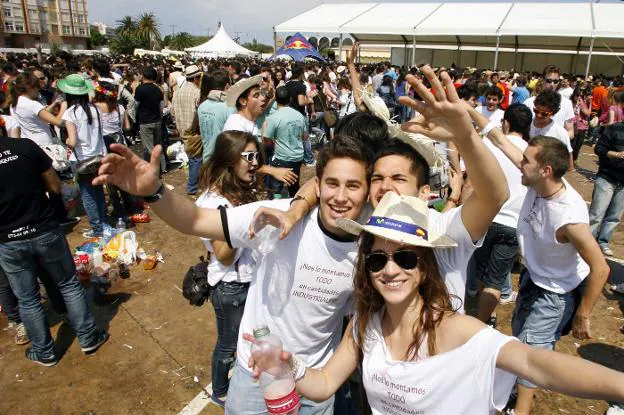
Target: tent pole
<point x="591" y="49"/>
<point x="413" y="51"/>
<point x="274" y="40"/>
<point x="496" y="53"/>
<point x="340" y="49"/>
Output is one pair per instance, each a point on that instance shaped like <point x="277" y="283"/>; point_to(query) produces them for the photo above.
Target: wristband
<point x="454" y="200"/>
<point x="156" y="196"/>
<point x="298" y="368"/>
<point x="299" y="197"/>
<point x="489" y="127"/>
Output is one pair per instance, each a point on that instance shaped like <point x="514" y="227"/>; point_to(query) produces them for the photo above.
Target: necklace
<point x="552" y="194"/>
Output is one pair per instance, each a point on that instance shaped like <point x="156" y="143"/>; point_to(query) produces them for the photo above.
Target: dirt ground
<point x="160" y="344"/>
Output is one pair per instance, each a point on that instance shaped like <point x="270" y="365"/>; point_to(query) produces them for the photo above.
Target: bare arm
<point x="72" y="134"/>
<point x="579" y="235"/>
<point x="560" y="372"/>
<point x="48" y="117"/>
<point x="223" y="252"/>
<point x="14" y="132"/>
<point x="569" y="127"/>
<point x="354" y="75"/>
<point x="51" y="181"/>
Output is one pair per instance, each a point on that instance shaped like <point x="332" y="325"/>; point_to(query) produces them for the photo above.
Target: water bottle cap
<point x="261" y="332"/>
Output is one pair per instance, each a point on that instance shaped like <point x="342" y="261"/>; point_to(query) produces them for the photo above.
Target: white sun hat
<point x="241" y="86"/>
<point x="403" y="219"/>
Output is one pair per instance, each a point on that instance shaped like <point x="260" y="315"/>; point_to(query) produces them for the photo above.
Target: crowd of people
<point x="367" y="276"/>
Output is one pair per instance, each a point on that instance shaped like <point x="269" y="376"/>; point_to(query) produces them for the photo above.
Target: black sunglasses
<point x="250" y="156"/>
<point x="542" y="113"/>
<point x="551" y="81"/>
<point x="376" y="261"/>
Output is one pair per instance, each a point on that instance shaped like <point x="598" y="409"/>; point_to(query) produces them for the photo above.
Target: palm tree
<point x="147" y="29"/>
<point x="126" y="26"/>
<point x="181" y="41"/>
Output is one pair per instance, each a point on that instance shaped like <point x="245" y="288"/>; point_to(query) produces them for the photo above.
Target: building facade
<point x="27" y="23"/>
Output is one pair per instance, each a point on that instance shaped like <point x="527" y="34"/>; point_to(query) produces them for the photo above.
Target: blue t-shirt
<point x="286" y="128"/>
<point x="212" y="117"/>
<point x="520" y="94"/>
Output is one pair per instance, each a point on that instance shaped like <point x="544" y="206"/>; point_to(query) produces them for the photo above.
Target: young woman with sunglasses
<point x="414" y="350"/>
<point x="228" y="179"/>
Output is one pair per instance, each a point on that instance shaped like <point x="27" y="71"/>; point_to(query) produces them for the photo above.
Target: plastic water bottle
<point x="120" y="226"/>
<point x="266" y="236"/>
<point x="276" y="379"/>
<point x="107" y="233"/>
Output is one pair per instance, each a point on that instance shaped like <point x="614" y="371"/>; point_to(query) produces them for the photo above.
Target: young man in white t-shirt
<point x="491" y="111"/>
<point x="546" y="104"/>
<point x="559" y="252"/>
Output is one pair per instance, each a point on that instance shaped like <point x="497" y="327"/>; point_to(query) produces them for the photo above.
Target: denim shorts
<point x="540" y="316"/>
<point x="495" y="258"/>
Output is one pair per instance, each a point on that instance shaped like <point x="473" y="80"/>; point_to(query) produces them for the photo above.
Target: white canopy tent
<point x="221" y="45"/>
<point x="574" y="29"/>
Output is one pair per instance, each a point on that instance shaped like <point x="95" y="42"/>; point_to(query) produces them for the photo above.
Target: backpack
<point x="195" y="287"/>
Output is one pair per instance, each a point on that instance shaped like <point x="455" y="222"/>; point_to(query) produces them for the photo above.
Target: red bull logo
<point x="297" y="44"/>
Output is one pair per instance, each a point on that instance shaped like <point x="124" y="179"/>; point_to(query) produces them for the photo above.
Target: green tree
<point x="97" y="39"/>
<point x="124" y="44"/>
<point x="126" y="26"/>
<point x="181" y="41"/>
<point x="148" y="29"/>
<point x="258" y="47"/>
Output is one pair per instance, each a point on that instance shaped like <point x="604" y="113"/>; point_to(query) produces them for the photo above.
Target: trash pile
<point x="101" y="260"/>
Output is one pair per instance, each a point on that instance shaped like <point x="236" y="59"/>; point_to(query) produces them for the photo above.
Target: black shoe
<point x="100" y="338"/>
<point x="47" y="361"/>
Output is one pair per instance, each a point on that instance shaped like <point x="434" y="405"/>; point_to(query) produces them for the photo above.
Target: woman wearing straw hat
<point x="415" y="351"/>
<point x="85" y="138"/>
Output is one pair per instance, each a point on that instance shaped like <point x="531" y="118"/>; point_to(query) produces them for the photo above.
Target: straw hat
<point x="75" y="84"/>
<point x="341" y="69"/>
<point x="192" y="71"/>
<point x="178" y="65"/>
<point x="241" y="86"/>
<point x="403" y="219"/>
<point x="375" y="105"/>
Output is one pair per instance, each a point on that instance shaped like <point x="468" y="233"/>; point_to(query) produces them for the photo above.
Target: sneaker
<point x="70" y="221"/>
<point x="606" y="250"/>
<point x="42" y="360"/>
<point x="311" y="164"/>
<point x="615" y="409"/>
<point x="509" y="299"/>
<point x="90" y="234"/>
<point x="100" y="338"/>
<point x="21" y="337"/>
<point x="217" y="401"/>
<point x="618" y="288"/>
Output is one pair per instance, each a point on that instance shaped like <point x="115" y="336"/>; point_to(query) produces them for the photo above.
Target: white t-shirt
<point x="566" y="93"/>
<point x="464" y="380"/>
<point x="10" y="123"/>
<point x="565" y="113"/>
<point x="552" y="265"/>
<point x="495" y="116"/>
<point x="552" y="130"/>
<point x="243" y="265"/>
<point x="301" y="290"/>
<point x="508" y="215"/>
<point x="26" y="114"/>
<point x="237" y="122"/>
<point x="112" y="122"/>
<point x="89" y="142"/>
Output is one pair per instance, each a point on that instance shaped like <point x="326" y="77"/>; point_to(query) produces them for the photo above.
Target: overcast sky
<point x="251" y="18"/>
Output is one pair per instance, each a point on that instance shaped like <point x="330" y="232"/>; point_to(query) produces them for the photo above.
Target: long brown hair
<point x="24" y="82"/>
<point x="433" y="295"/>
<point x="217" y="174"/>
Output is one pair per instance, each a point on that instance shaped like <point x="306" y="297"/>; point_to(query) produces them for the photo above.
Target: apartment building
<point x="26" y="23"/>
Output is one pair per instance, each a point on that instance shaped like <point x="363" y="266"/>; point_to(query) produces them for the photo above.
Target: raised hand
<point x="124" y="169"/>
<point x="445" y="118"/>
<point x="352" y="54"/>
<point x="274" y="217"/>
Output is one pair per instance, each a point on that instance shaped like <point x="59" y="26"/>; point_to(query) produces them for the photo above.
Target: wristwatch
<point x="156" y="196"/>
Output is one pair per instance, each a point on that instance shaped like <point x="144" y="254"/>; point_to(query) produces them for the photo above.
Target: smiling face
<point x="394" y="174"/>
<point x="246" y="170"/>
<point x="543" y="116"/>
<point x="396" y="285"/>
<point x="342" y="192"/>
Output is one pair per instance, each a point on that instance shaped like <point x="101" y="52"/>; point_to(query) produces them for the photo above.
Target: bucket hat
<point x="403" y="219"/>
<point x="192" y="71"/>
<point x="75" y="84"/>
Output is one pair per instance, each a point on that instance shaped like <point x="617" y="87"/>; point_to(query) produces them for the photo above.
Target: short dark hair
<point x="521" y="80"/>
<point x="102" y="68"/>
<point x="150" y="73"/>
<point x="494" y="90"/>
<point x="553" y="153"/>
<point x="220" y="79"/>
<point x="549" y="99"/>
<point x="550" y="69"/>
<point x="519" y="117"/>
<point x="238" y="68"/>
<point x="370" y="130"/>
<point x="467" y="90"/>
<point x="343" y="147"/>
<point x="296" y="72"/>
<point x="396" y="147"/>
<point x="282" y="96"/>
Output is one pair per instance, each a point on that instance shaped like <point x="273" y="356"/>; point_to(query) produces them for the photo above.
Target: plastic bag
<point x="176" y="153"/>
<point x="123" y="248"/>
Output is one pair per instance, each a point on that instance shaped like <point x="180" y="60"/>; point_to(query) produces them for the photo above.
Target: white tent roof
<point x="221" y="45"/>
<point x="518" y="25"/>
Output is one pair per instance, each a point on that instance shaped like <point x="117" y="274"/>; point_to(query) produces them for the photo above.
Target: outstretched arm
<point x="445" y="119"/>
<point x="562" y="373"/>
<point x="124" y="169"/>
<point x="354" y="75"/>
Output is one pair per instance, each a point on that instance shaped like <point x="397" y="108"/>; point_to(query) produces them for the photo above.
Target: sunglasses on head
<point x="376" y="261"/>
<point x="542" y="113"/>
<point x="250" y="156"/>
<point x="551" y="81"/>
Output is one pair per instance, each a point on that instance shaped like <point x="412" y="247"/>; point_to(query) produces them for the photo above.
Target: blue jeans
<point x="50" y="251"/>
<point x="8" y="300"/>
<point x="308" y="156"/>
<point x="275" y="186"/>
<point x="195" y="164"/>
<point x="606" y="209"/>
<point x="540" y="316"/>
<point x="94" y="203"/>
<point x="246" y="398"/>
<point x="228" y="300"/>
